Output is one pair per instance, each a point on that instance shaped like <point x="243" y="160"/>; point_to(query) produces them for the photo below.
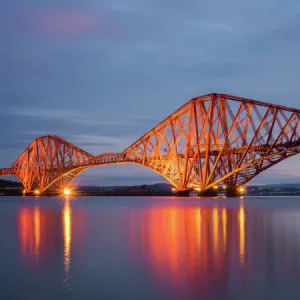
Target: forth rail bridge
<point x="213" y="141"/>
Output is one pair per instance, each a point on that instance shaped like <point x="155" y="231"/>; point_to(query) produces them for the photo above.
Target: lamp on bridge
<point x="67" y="192"/>
<point x="37" y="192"/>
<point x="242" y="190"/>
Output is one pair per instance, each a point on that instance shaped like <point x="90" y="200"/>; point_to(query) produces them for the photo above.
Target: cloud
<point x="19" y="127"/>
<point x="65" y="22"/>
<point x="40" y="112"/>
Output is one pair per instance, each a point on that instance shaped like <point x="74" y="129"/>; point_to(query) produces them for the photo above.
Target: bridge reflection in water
<point x="41" y="231"/>
<point x="188" y="248"/>
<point x="191" y="247"/>
<point x="67" y="232"/>
<point x="30" y="232"/>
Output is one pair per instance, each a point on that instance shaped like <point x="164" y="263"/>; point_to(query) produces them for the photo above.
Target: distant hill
<point x="9" y="183"/>
<point x="157" y="187"/>
<point x="8" y="187"/>
<point x="276" y="185"/>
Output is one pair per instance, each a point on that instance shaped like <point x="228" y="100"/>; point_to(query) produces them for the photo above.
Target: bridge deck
<point x="113" y="158"/>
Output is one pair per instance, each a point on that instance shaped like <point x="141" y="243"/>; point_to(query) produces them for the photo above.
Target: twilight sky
<point x="102" y="73"/>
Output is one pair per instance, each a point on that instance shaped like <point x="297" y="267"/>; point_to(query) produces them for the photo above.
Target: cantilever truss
<point x="46" y="160"/>
<point x="218" y="139"/>
<point x="211" y="140"/>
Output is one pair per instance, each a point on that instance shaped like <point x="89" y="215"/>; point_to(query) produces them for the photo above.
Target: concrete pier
<point x="208" y="193"/>
<point x="181" y="193"/>
<point x="232" y="191"/>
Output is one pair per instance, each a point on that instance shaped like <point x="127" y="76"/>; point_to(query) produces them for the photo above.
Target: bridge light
<point x="24" y="192"/>
<point x="242" y="189"/>
<point x="37" y="192"/>
<point x="224" y="187"/>
<point x="197" y="189"/>
<point x="67" y="192"/>
<point x="216" y="187"/>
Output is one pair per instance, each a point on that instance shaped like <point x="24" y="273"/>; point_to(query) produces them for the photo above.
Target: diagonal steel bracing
<point x="212" y="139"/>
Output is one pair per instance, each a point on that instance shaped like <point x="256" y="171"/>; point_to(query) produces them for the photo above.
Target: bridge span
<point x="211" y="140"/>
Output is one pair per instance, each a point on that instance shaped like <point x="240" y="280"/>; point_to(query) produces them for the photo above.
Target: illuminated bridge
<point x="212" y="140"/>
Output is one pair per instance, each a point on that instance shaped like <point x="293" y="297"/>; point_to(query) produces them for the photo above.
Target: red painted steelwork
<point x="212" y="139"/>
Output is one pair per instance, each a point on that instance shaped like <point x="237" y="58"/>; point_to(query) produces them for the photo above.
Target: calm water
<point x="149" y="248"/>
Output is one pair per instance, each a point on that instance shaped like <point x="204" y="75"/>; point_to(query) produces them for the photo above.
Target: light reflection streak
<point x="30" y="233"/>
<point x="183" y="243"/>
<point x="24" y="226"/>
<point x="174" y="240"/>
<point x="216" y="229"/>
<point x="224" y="222"/>
<point x="43" y="231"/>
<point x="242" y="232"/>
<point x="37" y="231"/>
<point x="198" y="228"/>
<point x="67" y="232"/>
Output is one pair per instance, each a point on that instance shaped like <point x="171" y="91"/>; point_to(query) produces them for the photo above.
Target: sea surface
<point x="149" y="248"/>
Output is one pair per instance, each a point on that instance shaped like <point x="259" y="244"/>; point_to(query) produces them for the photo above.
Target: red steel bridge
<point x="210" y="141"/>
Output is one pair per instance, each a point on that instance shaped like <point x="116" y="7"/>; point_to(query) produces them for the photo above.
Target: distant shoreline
<point x="12" y="188"/>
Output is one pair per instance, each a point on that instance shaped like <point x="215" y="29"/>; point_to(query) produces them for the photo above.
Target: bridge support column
<point x="178" y="193"/>
<point x="208" y="193"/>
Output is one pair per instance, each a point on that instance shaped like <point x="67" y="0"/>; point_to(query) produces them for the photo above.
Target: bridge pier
<point x="31" y="193"/>
<point x="208" y="193"/>
<point x="232" y="191"/>
<point x="45" y="193"/>
<point x="178" y="193"/>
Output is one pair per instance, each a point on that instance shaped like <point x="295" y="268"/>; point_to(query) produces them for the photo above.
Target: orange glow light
<point x="67" y="192"/>
<point x="242" y="189"/>
<point x="242" y="233"/>
<point x="67" y="221"/>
